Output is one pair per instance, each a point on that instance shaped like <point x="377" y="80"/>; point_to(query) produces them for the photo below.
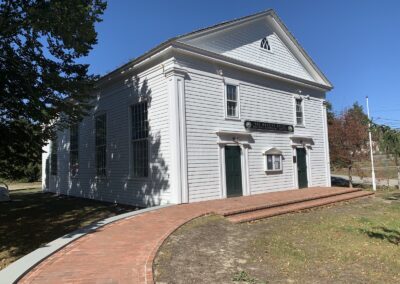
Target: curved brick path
<point x="123" y="252"/>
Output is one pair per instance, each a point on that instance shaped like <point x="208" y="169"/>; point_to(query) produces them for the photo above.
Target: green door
<point x="302" y="167"/>
<point x="233" y="171"/>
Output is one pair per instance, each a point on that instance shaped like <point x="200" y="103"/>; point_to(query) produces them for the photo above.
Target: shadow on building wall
<point x="116" y="186"/>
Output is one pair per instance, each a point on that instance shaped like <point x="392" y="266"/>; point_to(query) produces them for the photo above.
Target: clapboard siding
<point x="243" y="43"/>
<point x="192" y="123"/>
<point x="262" y="100"/>
<point x="115" y="101"/>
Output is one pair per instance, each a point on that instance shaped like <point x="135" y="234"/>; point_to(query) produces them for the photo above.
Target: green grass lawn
<point x="349" y="242"/>
<point x="34" y="218"/>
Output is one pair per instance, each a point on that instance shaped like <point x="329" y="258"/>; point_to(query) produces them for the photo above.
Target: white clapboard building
<point x="233" y="109"/>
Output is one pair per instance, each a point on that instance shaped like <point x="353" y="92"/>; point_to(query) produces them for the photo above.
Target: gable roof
<point x="179" y="40"/>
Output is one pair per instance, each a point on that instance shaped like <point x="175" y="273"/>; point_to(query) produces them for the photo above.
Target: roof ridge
<point x="172" y="39"/>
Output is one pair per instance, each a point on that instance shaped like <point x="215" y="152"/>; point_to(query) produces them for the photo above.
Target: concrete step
<point x="288" y="202"/>
<point x="288" y="208"/>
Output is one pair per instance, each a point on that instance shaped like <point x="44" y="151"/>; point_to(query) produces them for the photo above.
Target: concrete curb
<point x="16" y="270"/>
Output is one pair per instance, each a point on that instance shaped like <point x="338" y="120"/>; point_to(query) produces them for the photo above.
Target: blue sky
<point x="356" y="43"/>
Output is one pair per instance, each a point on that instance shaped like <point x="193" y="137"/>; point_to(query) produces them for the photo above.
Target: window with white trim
<point x="140" y="140"/>
<point x="232" y="99"/>
<point x="299" y="112"/>
<point x="272" y="160"/>
<point x="73" y="149"/>
<point x="101" y="144"/>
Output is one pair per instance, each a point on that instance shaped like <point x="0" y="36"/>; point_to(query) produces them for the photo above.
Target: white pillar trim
<point x="177" y="130"/>
<point x="326" y="142"/>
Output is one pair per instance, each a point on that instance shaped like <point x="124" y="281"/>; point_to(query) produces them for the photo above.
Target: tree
<point x="41" y="42"/>
<point x="329" y="112"/>
<point x="348" y="138"/>
<point x="389" y="142"/>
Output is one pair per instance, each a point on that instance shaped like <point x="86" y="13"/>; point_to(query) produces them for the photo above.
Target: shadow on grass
<point x="33" y="219"/>
<point x="383" y="233"/>
<point x="393" y="196"/>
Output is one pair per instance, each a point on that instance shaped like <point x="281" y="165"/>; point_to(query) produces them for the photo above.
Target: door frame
<point x="241" y="168"/>
<point x="308" y="164"/>
<point x="244" y="168"/>
<point x="234" y="138"/>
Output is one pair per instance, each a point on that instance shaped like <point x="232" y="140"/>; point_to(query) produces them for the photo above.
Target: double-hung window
<point x="274" y="163"/>
<point x="299" y="112"/>
<point x="140" y="140"/>
<point x="101" y="144"/>
<point x="74" y="149"/>
<point x="232" y="101"/>
<point x="273" y="160"/>
<point x="53" y="157"/>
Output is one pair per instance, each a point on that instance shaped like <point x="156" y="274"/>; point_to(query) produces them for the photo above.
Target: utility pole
<point x="370" y="148"/>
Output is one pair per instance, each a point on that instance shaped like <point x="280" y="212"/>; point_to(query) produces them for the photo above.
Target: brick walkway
<point x="123" y="252"/>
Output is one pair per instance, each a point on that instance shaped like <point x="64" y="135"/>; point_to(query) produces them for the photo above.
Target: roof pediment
<point x="239" y="41"/>
<point x="242" y="40"/>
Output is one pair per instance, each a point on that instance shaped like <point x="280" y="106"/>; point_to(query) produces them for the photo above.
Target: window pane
<point x="231" y="109"/>
<point x="269" y="162"/>
<point x="277" y="162"/>
<point x="53" y="157"/>
<point x="101" y="145"/>
<point x="231" y="93"/>
<point x="73" y="162"/>
<point x="140" y="133"/>
<point x="140" y="158"/>
<point x="73" y="149"/>
<point x="299" y="111"/>
<point x="139" y="121"/>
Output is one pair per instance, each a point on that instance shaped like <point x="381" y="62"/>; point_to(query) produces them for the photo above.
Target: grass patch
<point x="243" y="276"/>
<point x="356" y="241"/>
<point x="33" y="219"/>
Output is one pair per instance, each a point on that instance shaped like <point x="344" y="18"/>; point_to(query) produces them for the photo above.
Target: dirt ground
<point x="349" y="242"/>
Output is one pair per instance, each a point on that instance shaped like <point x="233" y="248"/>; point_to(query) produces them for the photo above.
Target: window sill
<point x="274" y="171"/>
<point x="233" y="118"/>
<point x="300" y="126"/>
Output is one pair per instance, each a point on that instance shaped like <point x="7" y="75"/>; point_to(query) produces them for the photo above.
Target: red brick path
<point x="123" y="252"/>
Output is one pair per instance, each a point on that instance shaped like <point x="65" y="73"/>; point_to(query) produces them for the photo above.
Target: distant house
<point x="234" y="109"/>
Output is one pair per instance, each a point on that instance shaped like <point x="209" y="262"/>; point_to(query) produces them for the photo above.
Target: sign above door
<point x="268" y="126"/>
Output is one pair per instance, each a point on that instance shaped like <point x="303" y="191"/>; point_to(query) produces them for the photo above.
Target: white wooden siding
<point x="260" y="99"/>
<point x="243" y="43"/>
<point x="115" y="101"/>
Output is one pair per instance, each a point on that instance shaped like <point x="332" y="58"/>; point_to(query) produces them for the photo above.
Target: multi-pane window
<point x="140" y="141"/>
<point x="274" y="163"/>
<point x="74" y="149"/>
<point x="53" y="157"/>
<point x="101" y="144"/>
<point x="232" y="101"/>
<point x="299" y="112"/>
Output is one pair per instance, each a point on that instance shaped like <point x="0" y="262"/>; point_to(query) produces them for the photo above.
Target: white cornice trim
<point x="228" y="132"/>
<point x="212" y="56"/>
<point x="175" y="71"/>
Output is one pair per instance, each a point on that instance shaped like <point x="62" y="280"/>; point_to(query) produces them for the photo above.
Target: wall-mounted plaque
<point x="267" y="126"/>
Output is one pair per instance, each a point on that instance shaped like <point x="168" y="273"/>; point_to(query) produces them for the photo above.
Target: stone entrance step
<point x="270" y="210"/>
